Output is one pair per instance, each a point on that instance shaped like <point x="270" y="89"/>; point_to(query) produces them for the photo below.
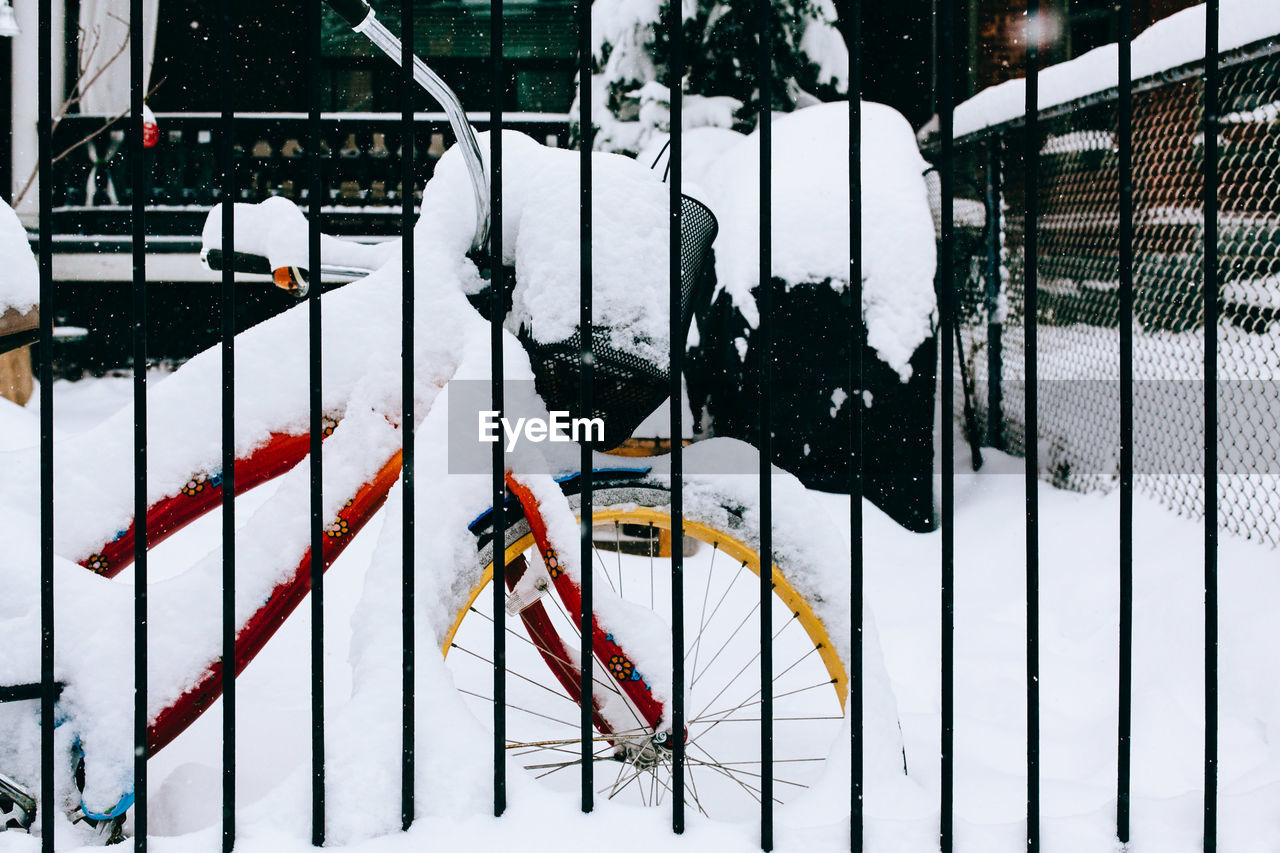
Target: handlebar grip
<point x="354" y="11"/>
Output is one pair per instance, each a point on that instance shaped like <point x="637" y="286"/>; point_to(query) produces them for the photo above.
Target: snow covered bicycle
<point x="459" y="552"/>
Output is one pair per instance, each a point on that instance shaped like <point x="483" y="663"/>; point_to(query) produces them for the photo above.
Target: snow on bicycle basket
<point x="630" y="246"/>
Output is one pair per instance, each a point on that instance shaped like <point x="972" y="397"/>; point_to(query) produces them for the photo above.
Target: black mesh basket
<point x="625" y="389"/>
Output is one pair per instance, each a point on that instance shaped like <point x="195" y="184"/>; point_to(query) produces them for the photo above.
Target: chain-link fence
<point x="1077" y="305"/>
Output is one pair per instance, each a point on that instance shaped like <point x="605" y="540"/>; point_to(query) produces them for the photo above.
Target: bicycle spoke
<point x="625" y="701"/>
<point x="775" y="719"/>
<point x="548" y="654"/>
<point x="530" y="749"/>
<point x="556" y="600"/>
<point x="622" y="768"/>
<point x="721" y="764"/>
<point x="623" y="734"/>
<point x="617" y="539"/>
<point x="698" y="675"/>
<point x="775" y="761"/>
<point x="693" y="790"/>
<point x="733" y="580"/>
<point x="519" y="708"/>
<point x="517" y="675"/>
<point x="651" y="599"/>
<point x="750" y="701"/>
<point x="513" y="632"/>
<point x="753" y="791"/>
<point x="664" y="786"/>
<point x="560" y="766"/>
<point x="604" y="570"/>
<point x="753" y="660"/>
<point x="702" y="618"/>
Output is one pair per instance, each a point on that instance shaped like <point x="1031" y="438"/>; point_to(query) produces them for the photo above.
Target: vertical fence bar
<point x="1211" y="312"/>
<point x="764" y="23"/>
<point x="227" y="58"/>
<point x="675" y="28"/>
<point x="1031" y="153"/>
<point x="48" y="689"/>
<point x="408" y="91"/>
<point x="995" y="315"/>
<point x="315" y="183"/>
<point x="586" y="361"/>
<point x="946" y="275"/>
<point x="857" y="343"/>
<point x="497" y="307"/>
<point x="139" y="169"/>
<point x="1124" y="182"/>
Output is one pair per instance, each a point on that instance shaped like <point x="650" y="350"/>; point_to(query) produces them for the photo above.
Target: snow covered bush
<point x="631" y="79"/>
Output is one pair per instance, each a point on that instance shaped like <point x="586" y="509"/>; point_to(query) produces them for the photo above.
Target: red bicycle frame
<point x="203" y="493"/>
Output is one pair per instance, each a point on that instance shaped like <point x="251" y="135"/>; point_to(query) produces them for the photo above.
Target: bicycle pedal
<point x="108" y="830"/>
<point x="17" y="805"/>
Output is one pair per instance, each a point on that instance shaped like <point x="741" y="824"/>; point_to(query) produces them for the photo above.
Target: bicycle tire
<point x="630" y="500"/>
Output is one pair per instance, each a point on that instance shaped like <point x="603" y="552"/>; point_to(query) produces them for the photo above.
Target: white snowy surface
<point x="1078" y="683"/>
<point x="1177" y="40"/>
<point x="19" y="275"/>
<point x="277" y="230"/>
<point x="810" y="216"/>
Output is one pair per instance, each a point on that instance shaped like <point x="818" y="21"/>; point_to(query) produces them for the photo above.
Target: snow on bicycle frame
<point x="93" y="471"/>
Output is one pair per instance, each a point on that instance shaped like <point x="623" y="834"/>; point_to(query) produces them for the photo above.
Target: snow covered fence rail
<point x="1079" y="268"/>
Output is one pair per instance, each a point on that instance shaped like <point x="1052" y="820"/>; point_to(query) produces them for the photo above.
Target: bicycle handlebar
<point x="365" y="21"/>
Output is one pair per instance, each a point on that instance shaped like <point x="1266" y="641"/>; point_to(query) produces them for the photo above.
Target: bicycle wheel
<point x="722" y="666"/>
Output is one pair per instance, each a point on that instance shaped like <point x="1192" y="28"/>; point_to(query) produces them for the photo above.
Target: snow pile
<point x="630" y="241"/>
<point x="1169" y="43"/>
<point x="810" y="217"/>
<point x="19" y="275"/>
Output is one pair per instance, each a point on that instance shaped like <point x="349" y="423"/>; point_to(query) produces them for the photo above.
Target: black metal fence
<point x="1141" y="245"/>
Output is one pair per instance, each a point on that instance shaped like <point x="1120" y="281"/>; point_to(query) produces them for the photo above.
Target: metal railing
<point x="361" y="160"/>
<point x="1035" y="167"/>
<point x="1116" y="258"/>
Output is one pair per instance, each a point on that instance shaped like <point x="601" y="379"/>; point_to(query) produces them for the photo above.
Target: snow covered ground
<point x="1079" y="543"/>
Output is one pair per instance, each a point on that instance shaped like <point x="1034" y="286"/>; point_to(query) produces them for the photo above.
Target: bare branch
<point x="82" y="86"/>
<point x="106" y="125"/>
